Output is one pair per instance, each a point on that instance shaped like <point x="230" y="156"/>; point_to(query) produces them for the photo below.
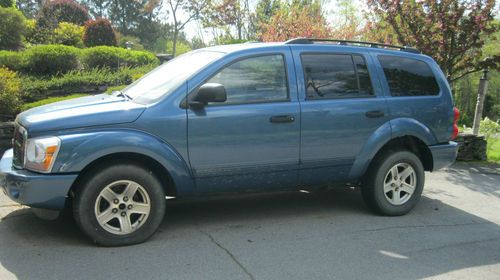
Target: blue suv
<point x="304" y="114"/>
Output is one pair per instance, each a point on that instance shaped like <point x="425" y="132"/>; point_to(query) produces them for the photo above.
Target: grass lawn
<point x="494" y="150"/>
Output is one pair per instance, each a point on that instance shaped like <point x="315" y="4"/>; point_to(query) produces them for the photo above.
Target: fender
<point x="376" y="141"/>
<point x="79" y="150"/>
<point x="407" y="126"/>
<point x="392" y="129"/>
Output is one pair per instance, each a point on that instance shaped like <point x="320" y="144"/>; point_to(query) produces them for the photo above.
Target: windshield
<point x="164" y="79"/>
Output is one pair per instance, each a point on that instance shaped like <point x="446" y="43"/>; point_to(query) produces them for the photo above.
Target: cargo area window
<point x="408" y="77"/>
<point x="336" y="76"/>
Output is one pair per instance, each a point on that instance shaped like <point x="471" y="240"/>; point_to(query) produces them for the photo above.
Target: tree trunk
<point x="481" y="94"/>
<point x="174" y="42"/>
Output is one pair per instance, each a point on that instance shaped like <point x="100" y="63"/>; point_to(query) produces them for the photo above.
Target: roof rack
<point x="351" y="43"/>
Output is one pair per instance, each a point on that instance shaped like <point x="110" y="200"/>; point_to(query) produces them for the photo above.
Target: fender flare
<point x="80" y="150"/>
<point x="389" y="130"/>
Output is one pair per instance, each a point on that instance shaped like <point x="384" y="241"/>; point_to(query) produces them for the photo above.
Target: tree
<point x="190" y="7"/>
<point x="225" y="14"/>
<point x="53" y="12"/>
<point x="452" y="32"/>
<point x="8" y="3"/>
<point x="264" y="11"/>
<point x="12" y="28"/>
<point x="99" y="32"/>
<point x="347" y="22"/>
<point x="97" y="8"/>
<point x="299" y="19"/>
<point x="29" y="7"/>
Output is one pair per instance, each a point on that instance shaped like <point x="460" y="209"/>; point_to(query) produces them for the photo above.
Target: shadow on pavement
<point x="289" y="235"/>
<point x="483" y="178"/>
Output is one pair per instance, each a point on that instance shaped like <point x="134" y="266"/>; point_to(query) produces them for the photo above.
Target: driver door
<point x="250" y="141"/>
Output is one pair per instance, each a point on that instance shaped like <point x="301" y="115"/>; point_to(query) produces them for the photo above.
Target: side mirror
<point x="209" y="92"/>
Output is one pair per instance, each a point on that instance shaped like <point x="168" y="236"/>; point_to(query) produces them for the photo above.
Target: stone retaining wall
<point x="6" y="134"/>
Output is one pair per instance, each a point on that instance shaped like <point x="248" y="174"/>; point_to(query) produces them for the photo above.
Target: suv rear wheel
<point x="119" y="205"/>
<point x="394" y="183"/>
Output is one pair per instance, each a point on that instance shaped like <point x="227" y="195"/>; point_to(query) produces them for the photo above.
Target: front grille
<point x="18" y="143"/>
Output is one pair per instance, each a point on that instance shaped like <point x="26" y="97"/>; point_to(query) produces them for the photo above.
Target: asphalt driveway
<point x="454" y="233"/>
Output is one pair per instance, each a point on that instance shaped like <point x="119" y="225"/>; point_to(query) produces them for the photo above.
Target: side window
<point x="336" y="76"/>
<point x="256" y="79"/>
<point x="408" y="77"/>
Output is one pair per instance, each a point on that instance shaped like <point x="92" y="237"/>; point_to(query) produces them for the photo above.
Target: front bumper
<point x="443" y="155"/>
<point x="47" y="191"/>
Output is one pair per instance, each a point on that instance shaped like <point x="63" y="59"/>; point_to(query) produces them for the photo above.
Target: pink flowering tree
<point x="451" y="31"/>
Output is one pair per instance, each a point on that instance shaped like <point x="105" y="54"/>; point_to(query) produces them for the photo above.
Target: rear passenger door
<point x="341" y="107"/>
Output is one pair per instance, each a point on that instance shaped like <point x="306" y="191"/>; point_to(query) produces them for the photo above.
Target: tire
<point x="128" y="199"/>
<point x="387" y="196"/>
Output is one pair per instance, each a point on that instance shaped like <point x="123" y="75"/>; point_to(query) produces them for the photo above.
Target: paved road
<point x="453" y="233"/>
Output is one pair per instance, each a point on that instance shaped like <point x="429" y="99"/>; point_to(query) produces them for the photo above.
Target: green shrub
<point x="37" y="88"/>
<point x="52" y="59"/>
<point x="99" y="32"/>
<point x="49" y="100"/>
<point x="138" y="58"/>
<point x="13" y="60"/>
<point x="12" y="29"/>
<point x="112" y="57"/>
<point x="102" y="56"/>
<point x="68" y="34"/>
<point x="10" y="92"/>
<point x="53" y="12"/>
<point x="7" y="3"/>
<point x="489" y="128"/>
<point x="180" y="48"/>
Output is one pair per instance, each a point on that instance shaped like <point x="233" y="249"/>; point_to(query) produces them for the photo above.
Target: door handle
<point x="282" y="119"/>
<point x="374" y="114"/>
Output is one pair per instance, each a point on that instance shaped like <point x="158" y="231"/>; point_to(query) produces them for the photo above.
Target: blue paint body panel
<point x="37" y="190"/>
<point x="235" y="148"/>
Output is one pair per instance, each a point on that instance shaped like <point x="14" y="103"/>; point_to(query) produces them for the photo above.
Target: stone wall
<point x="471" y="147"/>
<point x="6" y="134"/>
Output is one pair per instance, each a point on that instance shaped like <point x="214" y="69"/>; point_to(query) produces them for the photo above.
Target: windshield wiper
<point x="120" y="93"/>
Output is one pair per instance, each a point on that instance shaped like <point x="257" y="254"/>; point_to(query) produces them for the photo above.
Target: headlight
<point x="41" y="153"/>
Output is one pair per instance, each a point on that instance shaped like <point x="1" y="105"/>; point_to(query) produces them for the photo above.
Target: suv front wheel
<point x="394" y="183"/>
<point x="119" y="205"/>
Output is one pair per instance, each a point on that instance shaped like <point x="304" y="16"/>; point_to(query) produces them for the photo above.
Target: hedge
<point x="13" y="60"/>
<point x="59" y="59"/>
<point x="112" y="57"/>
<point x="37" y="88"/>
<point x="52" y="59"/>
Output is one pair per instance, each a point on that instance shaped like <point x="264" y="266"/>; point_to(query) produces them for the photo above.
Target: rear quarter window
<point x="408" y="77"/>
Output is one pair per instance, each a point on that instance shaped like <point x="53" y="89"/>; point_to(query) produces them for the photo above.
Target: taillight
<point x="456" y="115"/>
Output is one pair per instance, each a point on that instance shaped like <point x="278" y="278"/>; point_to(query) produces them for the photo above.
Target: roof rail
<point x="351" y="43"/>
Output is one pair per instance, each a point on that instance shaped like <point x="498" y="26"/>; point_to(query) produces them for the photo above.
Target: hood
<point x="86" y="111"/>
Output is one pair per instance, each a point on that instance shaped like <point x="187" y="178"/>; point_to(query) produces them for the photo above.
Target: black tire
<point x="373" y="184"/>
<point x="89" y="191"/>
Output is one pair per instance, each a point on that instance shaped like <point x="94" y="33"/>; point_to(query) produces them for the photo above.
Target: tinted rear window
<point x="336" y="76"/>
<point x="408" y="77"/>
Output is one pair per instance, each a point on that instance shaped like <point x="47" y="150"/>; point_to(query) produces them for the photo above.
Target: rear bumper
<point x="443" y="155"/>
<point x="47" y="191"/>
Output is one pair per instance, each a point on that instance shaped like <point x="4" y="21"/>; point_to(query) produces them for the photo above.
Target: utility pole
<point x="481" y="94"/>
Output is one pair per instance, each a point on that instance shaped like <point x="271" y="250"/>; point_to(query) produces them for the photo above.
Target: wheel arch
<point x="81" y="152"/>
<point x="403" y="134"/>
<point x="153" y="165"/>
